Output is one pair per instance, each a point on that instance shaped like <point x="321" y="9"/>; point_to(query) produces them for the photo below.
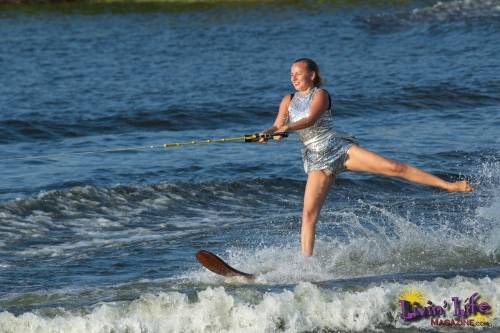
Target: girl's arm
<point x="281" y="119"/>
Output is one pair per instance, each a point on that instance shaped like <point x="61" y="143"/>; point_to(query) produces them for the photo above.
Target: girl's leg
<point x="317" y="186"/>
<point x="363" y="160"/>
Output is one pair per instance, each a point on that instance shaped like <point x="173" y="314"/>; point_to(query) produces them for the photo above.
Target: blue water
<point x="98" y="239"/>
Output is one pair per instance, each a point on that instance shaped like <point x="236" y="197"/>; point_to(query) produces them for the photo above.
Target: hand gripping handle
<point x="257" y="136"/>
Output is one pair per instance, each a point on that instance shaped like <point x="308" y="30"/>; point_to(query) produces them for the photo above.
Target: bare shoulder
<point x="321" y="94"/>
<point x="321" y="98"/>
<point x="286" y="100"/>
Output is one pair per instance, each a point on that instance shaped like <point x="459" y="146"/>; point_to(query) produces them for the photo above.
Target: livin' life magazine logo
<point x="472" y="311"/>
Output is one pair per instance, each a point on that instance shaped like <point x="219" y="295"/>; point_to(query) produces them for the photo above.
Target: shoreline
<point x="312" y="4"/>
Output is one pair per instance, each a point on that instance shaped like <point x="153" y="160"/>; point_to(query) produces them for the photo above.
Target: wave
<point x="439" y="12"/>
<point x="304" y="308"/>
<point x="358" y="234"/>
<point x="41" y="127"/>
<point x="442" y="96"/>
<point x="162" y="195"/>
<point x="379" y="239"/>
<point x="364" y="246"/>
<point x="93" y="217"/>
<point x="384" y="234"/>
<point x="432" y="97"/>
<point x="459" y="8"/>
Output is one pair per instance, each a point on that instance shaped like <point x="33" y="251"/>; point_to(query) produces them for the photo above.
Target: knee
<point x="397" y="168"/>
<point x="309" y="216"/>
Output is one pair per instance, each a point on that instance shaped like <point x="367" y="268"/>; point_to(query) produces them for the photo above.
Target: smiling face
<point x="302" y="78"/>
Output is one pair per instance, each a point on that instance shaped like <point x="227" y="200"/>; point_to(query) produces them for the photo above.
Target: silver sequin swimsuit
<point x="322" y="147"/>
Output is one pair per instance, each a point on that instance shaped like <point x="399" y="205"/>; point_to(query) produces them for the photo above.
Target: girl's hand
<point x="263" y="134"/>
<point x="282" y="129"/>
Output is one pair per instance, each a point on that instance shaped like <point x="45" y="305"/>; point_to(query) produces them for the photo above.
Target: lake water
<point x="98" y="239"/>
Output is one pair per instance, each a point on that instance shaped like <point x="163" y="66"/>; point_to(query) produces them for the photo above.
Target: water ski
<point x="218" y="266"/>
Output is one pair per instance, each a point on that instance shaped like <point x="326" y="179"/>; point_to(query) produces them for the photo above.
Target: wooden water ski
<point x="215" y="264"/>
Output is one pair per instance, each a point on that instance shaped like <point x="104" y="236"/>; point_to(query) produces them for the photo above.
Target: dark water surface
<point x="97" y="239"/>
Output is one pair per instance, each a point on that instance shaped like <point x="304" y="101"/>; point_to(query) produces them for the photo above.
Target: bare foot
<point x="461" y="186"/>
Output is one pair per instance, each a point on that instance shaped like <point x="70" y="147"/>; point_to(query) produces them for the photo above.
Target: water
<point x="105" y="241"/>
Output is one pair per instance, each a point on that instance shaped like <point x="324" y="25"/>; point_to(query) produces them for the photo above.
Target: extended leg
<point x="317" y="186"/>
<point x="363" y="160"/>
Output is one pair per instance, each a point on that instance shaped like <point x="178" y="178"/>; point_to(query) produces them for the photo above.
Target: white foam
<point x="94" y="218"/>
<point x="305" y="308"/>
<point x="410" y="248"/>
<point x="459" y="8"/>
